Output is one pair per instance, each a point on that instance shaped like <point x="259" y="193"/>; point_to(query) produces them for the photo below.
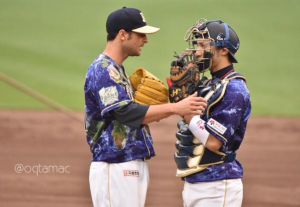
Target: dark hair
<point x="229" y="56"/>
<point x="111" y="37"/>
<point x="231" y="59"/>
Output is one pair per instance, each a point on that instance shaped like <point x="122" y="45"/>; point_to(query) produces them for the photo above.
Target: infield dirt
<point x="269" y="154"/>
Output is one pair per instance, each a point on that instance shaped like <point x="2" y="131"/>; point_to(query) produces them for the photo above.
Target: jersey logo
<point x="216" y="126"/>
<point x="108" y="95"/>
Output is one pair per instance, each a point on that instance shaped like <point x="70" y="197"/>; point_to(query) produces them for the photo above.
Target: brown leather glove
<point x="149" y="90"/>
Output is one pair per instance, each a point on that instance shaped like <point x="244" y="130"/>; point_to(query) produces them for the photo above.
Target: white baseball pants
<point x="223" y="193"/>
<point x="119" y="184"/>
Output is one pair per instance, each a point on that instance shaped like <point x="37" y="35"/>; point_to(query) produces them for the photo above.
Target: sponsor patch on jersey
<point x="108" y="95"/>
<point x="216" y="126"/>
<point x="134" y="173"/>
<point x="114" y="74"/>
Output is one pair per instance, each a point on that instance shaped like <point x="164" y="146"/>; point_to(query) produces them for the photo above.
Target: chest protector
<point x="192" y="156"/>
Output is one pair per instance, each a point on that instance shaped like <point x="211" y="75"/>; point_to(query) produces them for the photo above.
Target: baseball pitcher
<point x="118" y="109"/>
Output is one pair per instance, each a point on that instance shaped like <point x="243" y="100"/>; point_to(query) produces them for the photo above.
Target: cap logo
<point x="220" y="37"/>
<point x="143" y="17"/>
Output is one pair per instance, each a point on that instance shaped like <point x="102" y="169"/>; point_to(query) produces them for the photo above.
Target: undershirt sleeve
<point x="132" y="114"/>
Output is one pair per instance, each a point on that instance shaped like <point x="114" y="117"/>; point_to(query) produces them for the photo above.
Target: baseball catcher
<point x="186" y="78"/>
<point x="206" y="145"/>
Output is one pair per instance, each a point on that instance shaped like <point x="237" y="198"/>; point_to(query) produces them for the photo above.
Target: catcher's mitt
<point x="149" y="90"/>
<point x="184" y="77"/>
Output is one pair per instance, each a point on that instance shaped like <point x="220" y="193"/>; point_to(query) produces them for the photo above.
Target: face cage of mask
<point x="193" y="36"/>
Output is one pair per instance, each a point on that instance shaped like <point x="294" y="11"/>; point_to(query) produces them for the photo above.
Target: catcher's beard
<point x="204" y="63"/>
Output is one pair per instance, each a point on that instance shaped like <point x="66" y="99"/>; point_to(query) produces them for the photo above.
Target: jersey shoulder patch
<point x="108" y="95"/>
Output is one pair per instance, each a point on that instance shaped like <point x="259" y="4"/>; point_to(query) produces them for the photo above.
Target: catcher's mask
<point x="211" y="33"/>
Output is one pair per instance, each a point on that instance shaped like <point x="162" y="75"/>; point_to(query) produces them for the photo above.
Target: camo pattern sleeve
<point x="227" y="122"/>
<point x="107" y="90"/>
<point x="228" y="119"/>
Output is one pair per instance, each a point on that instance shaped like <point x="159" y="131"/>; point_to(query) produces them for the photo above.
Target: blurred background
<point x="49" y="45"/>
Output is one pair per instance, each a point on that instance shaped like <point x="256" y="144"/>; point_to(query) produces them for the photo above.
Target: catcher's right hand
<point x="184" y="77"/>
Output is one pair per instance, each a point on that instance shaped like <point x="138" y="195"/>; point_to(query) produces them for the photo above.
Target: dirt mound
<point x="45" y="162"/>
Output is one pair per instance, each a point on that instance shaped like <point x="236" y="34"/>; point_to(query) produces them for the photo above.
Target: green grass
<point x="48" y="45"/>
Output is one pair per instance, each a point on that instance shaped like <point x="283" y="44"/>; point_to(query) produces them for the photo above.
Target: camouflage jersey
<point x="227" y="122"/>
<point x="107" y="88"/>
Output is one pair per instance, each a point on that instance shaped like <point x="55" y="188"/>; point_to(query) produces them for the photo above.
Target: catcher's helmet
<point x="220" y="34"/>
<point x="224" y="36"/>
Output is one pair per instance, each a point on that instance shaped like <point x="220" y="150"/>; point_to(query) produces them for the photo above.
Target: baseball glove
<point x="184" y="77"/>
<point x="149" y="90"/>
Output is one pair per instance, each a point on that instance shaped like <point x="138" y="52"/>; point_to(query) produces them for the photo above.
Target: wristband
<point x="197" y="127"/>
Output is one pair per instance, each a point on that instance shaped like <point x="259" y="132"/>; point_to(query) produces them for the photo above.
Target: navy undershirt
<point x="132" y="114"/>
<point x="221" y="73"/>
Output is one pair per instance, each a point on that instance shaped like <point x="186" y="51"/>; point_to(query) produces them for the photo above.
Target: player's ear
<point x="123" y="35"/>
<point x="224" y="51"/>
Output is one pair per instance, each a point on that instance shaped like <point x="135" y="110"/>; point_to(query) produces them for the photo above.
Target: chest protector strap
<point x="214" y="90"/>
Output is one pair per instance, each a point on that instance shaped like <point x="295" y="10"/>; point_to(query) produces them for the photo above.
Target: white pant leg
<point x="99" y="187"/>
<point x="223" y="193"/>
<point x="234" y="196"/>
<point x="120" y="184"/>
